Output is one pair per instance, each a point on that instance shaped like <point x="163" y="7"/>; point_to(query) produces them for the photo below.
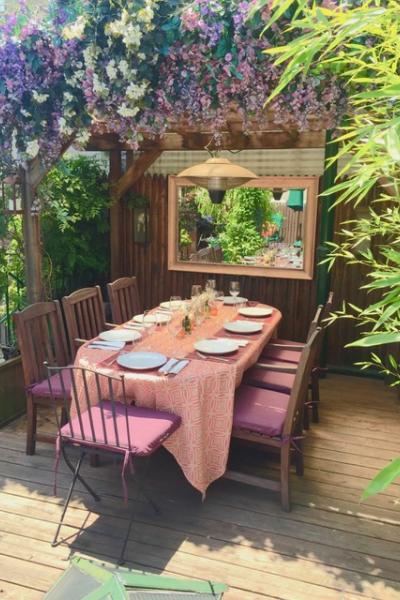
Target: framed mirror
<point x="266" y="228"/>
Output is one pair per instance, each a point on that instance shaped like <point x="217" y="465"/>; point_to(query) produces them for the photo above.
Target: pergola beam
<point x="134" y="172"/>
<point x="230" y="140"/>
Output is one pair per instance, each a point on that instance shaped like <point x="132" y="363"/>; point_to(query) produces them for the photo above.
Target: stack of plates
<point x="232" y="300"/>
<point x="141" y="361"/>
<point x="119" y="335"/>
<point x="255" y="311"/>
<point x="161" y="318"/>
<point x="217" y="346"/>
<point x="243" y="327"/>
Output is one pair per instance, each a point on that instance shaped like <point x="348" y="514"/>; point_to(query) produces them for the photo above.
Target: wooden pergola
<point x="178" y="138"/>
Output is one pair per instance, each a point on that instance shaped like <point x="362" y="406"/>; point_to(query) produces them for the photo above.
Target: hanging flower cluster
<point x="137" y="66"/>
<point x="37" y="96"/>
<point x="218" y="66"/>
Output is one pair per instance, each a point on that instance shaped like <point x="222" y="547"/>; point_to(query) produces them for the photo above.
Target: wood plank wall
<point x="295" y="298"/>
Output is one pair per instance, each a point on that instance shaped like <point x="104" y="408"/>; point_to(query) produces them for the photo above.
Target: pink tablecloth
<point x="202" y="394"/>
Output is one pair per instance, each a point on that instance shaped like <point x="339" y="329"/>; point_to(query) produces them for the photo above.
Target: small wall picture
<point x="141" y="222"/>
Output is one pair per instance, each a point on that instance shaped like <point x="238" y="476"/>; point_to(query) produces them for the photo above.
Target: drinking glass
<point x="234" y="289"/>
<point x="211" y="284"/>
<point x="172" y="302"/>
<point x="196" y="291"/>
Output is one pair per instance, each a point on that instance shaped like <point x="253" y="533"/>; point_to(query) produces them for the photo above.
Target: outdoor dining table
<point x="202" y="394"/>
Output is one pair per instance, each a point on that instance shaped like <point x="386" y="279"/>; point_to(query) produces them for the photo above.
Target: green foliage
<point x="250" y="205"/>
<point x="383" y="479"/>
<point x="360" y="46"/>
<point x="184" y="238"/>
<point x="75" y="225"/>
<point x="239" y="240"/>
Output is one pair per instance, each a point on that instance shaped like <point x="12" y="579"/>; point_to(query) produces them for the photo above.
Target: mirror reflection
<point x="253" y="226"/>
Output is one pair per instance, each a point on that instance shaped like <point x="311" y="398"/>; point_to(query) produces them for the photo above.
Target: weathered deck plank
<point x="329" y="547"/>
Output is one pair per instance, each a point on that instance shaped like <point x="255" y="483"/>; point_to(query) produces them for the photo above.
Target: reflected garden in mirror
<point x="265" y="228"/>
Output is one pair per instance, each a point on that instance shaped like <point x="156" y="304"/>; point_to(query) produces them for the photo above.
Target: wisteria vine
<point x="138" y="66"/>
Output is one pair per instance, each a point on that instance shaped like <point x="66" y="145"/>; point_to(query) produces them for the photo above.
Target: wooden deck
<point x="328" y="548"/>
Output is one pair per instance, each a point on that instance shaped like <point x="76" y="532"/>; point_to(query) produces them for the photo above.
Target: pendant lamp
<point x="218" y="174"/>
<point x="296" y="200"/>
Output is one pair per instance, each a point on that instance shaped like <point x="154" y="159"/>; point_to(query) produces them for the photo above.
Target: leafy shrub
<point x="239" y="240"/>
<point x="75" y="225"/>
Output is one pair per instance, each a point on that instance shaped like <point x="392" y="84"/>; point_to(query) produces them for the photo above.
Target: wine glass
<point x="173" y="302"/>
<point x="234" y="289"/>
<point x="211" y="284"/>
<point x="196" y="291"/>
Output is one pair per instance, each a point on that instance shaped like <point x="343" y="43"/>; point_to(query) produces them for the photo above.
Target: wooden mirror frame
<point x="309" y="231"/>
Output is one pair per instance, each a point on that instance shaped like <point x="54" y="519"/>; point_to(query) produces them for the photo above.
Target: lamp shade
<point x="296" y="200"/>
<point x="218" y="173"/>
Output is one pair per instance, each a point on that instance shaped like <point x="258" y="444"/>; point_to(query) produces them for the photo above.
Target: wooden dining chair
<point x="123" y="295"/>
<point x="274" y="419"/>
<point x="286" y="351"/>
<point x="41" y="337"/>
<point x="84" y="316"/>
<point x="102" y="419"/>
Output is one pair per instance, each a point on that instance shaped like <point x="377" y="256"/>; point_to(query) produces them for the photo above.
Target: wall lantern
<point x="277" y="194"/>
<point x="217" y="175"/>
<point x="296" y="200"/>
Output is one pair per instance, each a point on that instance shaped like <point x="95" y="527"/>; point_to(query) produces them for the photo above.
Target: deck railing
<point x="11" y="300"/>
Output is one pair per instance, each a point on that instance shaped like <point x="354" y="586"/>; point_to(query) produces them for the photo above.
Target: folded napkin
<point x="168" y="365"/>
<point x="179" y="366"/>
<point x="104" y="345"/>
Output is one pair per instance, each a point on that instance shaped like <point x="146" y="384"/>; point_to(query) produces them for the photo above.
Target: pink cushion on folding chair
<point x="42" y="389"/>
<point x="280" y="354"/>
<point x="270" y="380"/>
<point x="148" y="428"/>
<point x="262" y="411"/>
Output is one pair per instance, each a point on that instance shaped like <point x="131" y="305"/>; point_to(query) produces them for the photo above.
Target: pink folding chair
<point x="101" y="419"/>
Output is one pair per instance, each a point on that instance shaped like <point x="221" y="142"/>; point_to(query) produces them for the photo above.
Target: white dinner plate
<point x="173" y="304"/>
<point x="232" y="300"/>
<point x="141" y="361"/>
<point x="255" y="311"/>
<point x="162" y="318"/>
<point x="243" y="327"/>
<point x="119" y="335"/>
<point x="217" y="346"/>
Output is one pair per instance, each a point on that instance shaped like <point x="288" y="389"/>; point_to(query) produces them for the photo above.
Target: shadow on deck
<point x="329" y="547"/>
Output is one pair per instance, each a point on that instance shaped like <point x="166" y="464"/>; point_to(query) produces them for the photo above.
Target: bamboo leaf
<point x="383" y="479"/>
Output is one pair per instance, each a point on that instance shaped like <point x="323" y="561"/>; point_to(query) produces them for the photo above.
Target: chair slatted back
<point x="84" y="315"/>
<point x="97" y="408"/>
<point x="123" y="295"/>
<point x="41" y="338"/>
<point x="315" y="322"/>
<point x="327" y="309"/>
<point x="301" y="383"/>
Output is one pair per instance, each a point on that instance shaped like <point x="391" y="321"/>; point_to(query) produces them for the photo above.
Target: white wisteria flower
<point x="39" y="98"/>
<point x="75" y="30"/>
<point x="126" y="111"/>
<point x="32" y="149"/>
<point x="135" y="92"/>
<point x="124" y="68"/>
<point x="112" y="70"/>
<point x="82" y="138"/>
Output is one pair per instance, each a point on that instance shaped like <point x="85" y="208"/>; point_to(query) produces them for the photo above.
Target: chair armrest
<point x="297" y="347"/>
<point x="282" y="368"/>
<point x="110" y="325"/>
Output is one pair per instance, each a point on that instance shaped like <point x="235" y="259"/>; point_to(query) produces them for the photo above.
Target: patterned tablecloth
<point x="202" y="394"/>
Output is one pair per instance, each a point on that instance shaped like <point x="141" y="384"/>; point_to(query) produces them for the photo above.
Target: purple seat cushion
<point x="259" y="410"/>
<point x="270" y="380"/>
<point x="280" y="354"/>
<point x="147" y="428"/>
<point x="42" y="389"/>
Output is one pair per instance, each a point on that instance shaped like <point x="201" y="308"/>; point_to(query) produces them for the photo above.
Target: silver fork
<point x="204" y="357"/>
